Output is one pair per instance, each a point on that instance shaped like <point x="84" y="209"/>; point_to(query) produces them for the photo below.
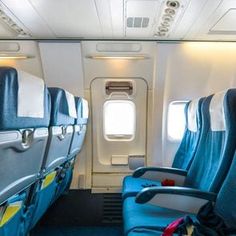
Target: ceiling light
<point x="120" y="57"/>
<point x="167" y="18"/>
<point x="14" y="56"/>
<point x="163" y="29"/>
<point x="165" y="24"/>
<point x="170" y="11"/>
<point x="173" y="4"/>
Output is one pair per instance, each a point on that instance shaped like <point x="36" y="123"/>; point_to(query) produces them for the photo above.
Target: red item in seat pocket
<point x="168" y="182"/>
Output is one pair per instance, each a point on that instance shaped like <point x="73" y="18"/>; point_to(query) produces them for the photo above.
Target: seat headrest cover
<point x="192" y="115"/>
<point x="71" y="104"/>
<point x="30" y="95"/>
<point x="82" y="111"/>
<point x="217" y="115"/>
<point x="85" y="110"/>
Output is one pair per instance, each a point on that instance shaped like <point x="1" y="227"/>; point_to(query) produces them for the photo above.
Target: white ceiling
<point x="193" y="20"/>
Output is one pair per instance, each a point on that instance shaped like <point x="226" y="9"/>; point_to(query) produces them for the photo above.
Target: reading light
<point x="14" y="56"/>
<point x="120" y="57"/>
<point x="170" y="11"/>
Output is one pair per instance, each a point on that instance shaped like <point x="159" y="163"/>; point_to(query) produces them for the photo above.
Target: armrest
<point x="161" y="173"/>
<point x="142" y="170"/>
<point x="178" y="198"/>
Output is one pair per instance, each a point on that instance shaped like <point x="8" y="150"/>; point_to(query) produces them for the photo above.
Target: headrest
<point x="217" y="114"/>
<point x="82" y="110"/>
<point x="71" y="104"/>
<point x="63" y="110"/>
<point x="24" y="100"/>
<point x="192" y="115"/>
<point x="30" y="95"/>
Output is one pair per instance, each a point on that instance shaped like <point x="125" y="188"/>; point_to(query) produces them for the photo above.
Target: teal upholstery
<point x="207" y="172"/>
<point x="8" y="104"/>
<point x="225" y="207"/>
<point x="216" y="148"/>
<point x="147" y="216"/>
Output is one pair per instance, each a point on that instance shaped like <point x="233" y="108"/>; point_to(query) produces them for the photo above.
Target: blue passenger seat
<point x="152" y="176"/>
<point x="224" y="206"/>
<point x="24" y="120"/>
<point x="80" y="127"/>
<point x="63" y="115"/>
<point x="156" y="207"/>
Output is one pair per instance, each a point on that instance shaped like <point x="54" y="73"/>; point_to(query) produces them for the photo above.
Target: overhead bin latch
<point x="119" y="86"/>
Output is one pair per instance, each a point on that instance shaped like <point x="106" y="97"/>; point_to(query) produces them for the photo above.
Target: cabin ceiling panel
<point x="189" y="16"/>
<point x="226" y="24"/>
<point x="215" y="22"/>
<point x="70" y="18"/>
<point x="122" y="19"/>
<point x="26" y="16"/>
<point x="117" y="18"/>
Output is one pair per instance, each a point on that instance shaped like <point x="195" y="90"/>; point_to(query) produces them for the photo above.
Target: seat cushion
<point x="131" y="185"/>
<point x="148" y="216"/>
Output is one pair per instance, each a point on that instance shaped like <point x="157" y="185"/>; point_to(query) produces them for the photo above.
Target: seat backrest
<point x="24" y="120"/>
<point x="188" y="146"/>
<point x="217" y="142"/>
<point x="60" y="112"/>
<point x="17" y="90"/>
<point x="80" y="126"/>
<point x="63" y="114"/>
<point x="225" y="205"/>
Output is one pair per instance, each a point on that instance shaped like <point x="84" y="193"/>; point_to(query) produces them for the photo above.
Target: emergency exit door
<point x="119" y="110"/>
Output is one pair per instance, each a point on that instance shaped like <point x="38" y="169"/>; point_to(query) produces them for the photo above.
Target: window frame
<point x="120" y="137"/>
<point x="176" y="102"/>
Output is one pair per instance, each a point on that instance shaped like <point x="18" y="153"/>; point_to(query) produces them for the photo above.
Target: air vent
<point x="137" y="22"/>
<point x="11" y="23"/>
<point x="112" y="208"/>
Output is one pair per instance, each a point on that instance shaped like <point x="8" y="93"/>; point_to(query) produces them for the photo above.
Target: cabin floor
<point x="79" y="212"/>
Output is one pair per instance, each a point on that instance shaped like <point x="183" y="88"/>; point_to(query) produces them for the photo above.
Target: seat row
<point x="203" y="170"/>
<point x="41" y="132"/>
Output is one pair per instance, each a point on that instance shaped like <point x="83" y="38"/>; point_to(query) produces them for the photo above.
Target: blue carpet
<point x="77" y="231"/>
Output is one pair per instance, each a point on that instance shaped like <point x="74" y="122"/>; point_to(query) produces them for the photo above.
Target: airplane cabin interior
<point x="117" y="117"/>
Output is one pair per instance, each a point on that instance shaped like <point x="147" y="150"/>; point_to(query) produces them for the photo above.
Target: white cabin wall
<point x="191" y="70"/>
<point x="62" y="66"/>
<point x="30" y="48"/>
